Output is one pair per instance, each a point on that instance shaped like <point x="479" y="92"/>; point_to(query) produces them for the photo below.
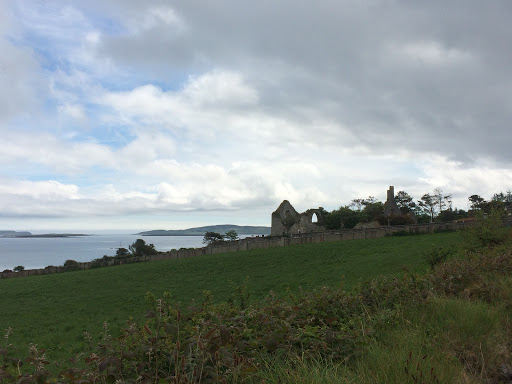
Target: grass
<point x="54" y="311"/>
<point x="440" y="340"/>
<point x="450" y="324"/>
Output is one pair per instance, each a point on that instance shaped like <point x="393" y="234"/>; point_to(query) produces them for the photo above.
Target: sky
<point x="124" y="114"/>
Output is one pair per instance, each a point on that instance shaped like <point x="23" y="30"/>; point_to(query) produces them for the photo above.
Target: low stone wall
<point x="174" y="254"/>
<point x="328" y="236"/>
<point x="253" y="243"/>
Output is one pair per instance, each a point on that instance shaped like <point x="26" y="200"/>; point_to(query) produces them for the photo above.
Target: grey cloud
<point x="334" y="58"/>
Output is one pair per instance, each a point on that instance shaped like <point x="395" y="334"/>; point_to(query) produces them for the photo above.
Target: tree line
<point x="435" y="206"/>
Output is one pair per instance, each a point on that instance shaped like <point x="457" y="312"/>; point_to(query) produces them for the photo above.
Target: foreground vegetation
<point x="448" y="325"/>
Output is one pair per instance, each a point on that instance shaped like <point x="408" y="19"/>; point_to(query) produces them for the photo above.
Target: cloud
<point x="232" y="107"/>
<point x="73" y="111"/>
<point x="43" y="149"/>
<point x="341" y="70"/>
<point x="485" y="178"/>
<point x="50" y="190"/>
<point x="20" y="75"/>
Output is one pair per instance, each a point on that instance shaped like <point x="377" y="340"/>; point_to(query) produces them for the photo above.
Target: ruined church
<point x="287" y="221"/>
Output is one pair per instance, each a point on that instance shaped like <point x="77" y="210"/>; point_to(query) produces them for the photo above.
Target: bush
<point x="72" y="265"/>
<point x="122" y="253"/>
<point x="487" y="231"/>
<point x="212" y="238"/>
<point x="140" y="248"/>
<point x="436" y="256"/>
<point x="19" y="268"/>
<point x="395" y="220"/>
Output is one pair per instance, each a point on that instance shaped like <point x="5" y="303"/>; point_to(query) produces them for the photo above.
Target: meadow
<point x="54" y="311"/>
<point x="418" y="309"/>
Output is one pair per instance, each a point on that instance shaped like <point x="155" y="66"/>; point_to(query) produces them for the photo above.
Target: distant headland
<point x="30" y="235"/>
<point x="200" y="231"/>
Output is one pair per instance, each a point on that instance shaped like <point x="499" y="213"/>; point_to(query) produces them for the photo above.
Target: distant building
<point x="286" y="220"/>
<point x="390" y="206"/>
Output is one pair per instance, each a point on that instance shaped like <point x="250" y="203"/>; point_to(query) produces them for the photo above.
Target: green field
<point x="53" y="311"/>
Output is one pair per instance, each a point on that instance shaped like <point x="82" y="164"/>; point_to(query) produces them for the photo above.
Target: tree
<point x="121" y="252"/>
<point x="442" y="200"/>
<point x="358" y="204"/>
<point x="348" y="217"/>
<point x="372" y="210"/>
<point x="405" y="202"/>
<point x="503" y="197"/>
<point x="72" y="265"/>
<point x="140" y="248"/>
<point x="476" y="201"/>
<point x="369" y="200"/>
<point x="231" y="235"/>
<point x="343" y="217"/>
<point x="212" y="237"/>
<point x="19" y="268"/>
<point x="499" y="197"/>
<point x="428" y="205"/>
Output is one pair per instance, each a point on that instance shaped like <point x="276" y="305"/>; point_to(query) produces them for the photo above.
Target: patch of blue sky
<point x="174" y="81"/>
<point x="105" y="23"/>
<point x="28" y="171"/>
<point x="97" y="175"/>
<point x="84" y="179"/>
<point x="128" y="78"/>
<point x="49" y="56"/>
<point x="115" y="137"/>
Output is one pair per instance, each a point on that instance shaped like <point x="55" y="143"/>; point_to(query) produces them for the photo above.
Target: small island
<point x="15" y="234"/>
<point x="200" y="231"/>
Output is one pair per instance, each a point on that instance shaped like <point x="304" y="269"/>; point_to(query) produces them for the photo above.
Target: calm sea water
<point x="41" y="252"/>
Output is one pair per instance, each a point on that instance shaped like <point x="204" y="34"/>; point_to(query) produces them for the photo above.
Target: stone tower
<point x="390" y="206"/>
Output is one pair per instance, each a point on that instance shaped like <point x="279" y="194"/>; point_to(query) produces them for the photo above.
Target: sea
<point x="38" y="252"/>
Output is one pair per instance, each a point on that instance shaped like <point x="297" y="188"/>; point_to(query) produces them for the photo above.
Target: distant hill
<point x="14" y="234"/>
<point x="200" y="231"/>
<point x="29" y="235"/>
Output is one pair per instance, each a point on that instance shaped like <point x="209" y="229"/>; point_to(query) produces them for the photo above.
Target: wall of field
<point x="252" y="243"/>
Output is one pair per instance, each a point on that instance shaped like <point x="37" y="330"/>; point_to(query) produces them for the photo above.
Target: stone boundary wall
<point x="250" y="243"/>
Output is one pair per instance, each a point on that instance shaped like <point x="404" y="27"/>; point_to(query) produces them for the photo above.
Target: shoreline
<point x="48" y="235"/>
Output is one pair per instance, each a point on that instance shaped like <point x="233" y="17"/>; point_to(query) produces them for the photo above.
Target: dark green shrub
<point x="438" y="255"/>
<point x="72" y="265"/>
<point x="140" y="248"/>
<point x="401" y="233"/>
<point x="395" y="220"/>
<point x="487" y="231"/>
<point x="122" y="252"/>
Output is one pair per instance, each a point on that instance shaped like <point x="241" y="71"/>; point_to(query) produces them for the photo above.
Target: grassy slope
<point x="53" y="311"/>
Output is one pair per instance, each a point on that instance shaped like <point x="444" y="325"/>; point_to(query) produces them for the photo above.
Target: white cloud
<point x="72" y="110"/>
<point x="232" y="108"/>
<point x="485" y="177"/>
<point x="28" y="148"/>
<point x="219" y="89"/>
<point x="158" y="15"/>
<point x="430" y="53"/>
<point x="46" y="190"/>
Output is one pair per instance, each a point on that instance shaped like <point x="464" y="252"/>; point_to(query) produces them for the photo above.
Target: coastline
<point x="47" y="235"/>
